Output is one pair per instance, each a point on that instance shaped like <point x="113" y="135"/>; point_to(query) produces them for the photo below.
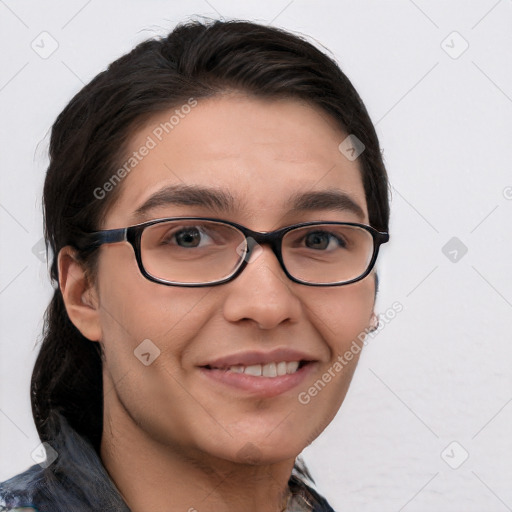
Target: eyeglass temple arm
<point x="94" y="240"/>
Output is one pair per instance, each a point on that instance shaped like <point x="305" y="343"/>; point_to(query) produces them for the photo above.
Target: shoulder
<point x="21" y="492"/>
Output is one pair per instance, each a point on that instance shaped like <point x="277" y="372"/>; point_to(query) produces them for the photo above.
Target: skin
<point x="170" y="437"/>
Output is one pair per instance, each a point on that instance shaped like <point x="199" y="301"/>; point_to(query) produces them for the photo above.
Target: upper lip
<point x="256" y="357"/>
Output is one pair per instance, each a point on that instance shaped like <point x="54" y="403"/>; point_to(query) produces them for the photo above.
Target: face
<point x="260" y="152"/>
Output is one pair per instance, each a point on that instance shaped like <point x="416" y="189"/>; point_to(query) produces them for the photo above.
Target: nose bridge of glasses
<point x="257" y="238"/>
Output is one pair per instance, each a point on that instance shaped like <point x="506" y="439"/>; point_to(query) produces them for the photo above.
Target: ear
<point x="79" y="294"/>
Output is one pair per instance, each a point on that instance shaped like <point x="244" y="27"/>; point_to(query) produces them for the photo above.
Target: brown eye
<point x="190" y="237"/>
<point x="321" y="239"/>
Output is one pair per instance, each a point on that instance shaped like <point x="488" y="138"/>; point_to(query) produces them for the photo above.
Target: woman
<point x="215" y="202"/>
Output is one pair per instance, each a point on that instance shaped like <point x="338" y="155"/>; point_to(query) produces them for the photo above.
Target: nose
<point x="262" y="294"/>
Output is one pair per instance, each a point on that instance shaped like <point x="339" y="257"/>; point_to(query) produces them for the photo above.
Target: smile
<point x="265" y="381"/>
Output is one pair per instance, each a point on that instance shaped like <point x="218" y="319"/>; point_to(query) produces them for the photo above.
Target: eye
<point x="188" y="237"/>
<point x="322" y="240"/>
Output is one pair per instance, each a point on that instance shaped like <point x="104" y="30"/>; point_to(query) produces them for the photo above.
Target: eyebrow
<point x="331" y="199"/>
<point x="223" y="201"/>
<point x="188" y="195"/>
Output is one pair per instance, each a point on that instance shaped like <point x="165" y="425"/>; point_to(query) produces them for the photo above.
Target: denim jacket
<point x="77" y="481"/>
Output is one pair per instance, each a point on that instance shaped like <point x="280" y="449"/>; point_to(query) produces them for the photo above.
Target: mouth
<point x="261" y="380"/>
<point x="270" y="370"/>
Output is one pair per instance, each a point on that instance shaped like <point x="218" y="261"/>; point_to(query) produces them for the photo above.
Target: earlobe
<point x="80" y="296"/>
<point x="374" y="322"/>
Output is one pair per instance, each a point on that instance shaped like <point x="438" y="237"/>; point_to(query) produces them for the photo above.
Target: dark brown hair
<point x="91" y="135"/>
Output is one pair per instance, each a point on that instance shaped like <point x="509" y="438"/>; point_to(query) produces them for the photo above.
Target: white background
<point x="441" y="370"/>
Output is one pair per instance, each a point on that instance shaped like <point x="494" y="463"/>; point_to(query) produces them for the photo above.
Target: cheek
<point x="341" y="314"/>
<point x="134" y="309"/>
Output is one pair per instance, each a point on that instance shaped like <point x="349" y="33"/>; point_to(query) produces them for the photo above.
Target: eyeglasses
<point x="198" y="251"/>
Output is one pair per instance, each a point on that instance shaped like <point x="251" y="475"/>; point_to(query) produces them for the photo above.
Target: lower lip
<point x="265" y="387"/>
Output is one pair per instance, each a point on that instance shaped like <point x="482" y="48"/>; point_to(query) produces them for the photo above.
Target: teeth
<point x="267" y="370"/>
<point x="282" y="368"/>
<point x="292" y="367"/>
<point x="254" y="369"/>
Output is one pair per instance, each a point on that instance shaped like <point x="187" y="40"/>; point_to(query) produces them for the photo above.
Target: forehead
<point x="260" y="152"/>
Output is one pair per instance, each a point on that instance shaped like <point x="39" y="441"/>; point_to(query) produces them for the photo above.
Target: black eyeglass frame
<point x="132" y="234"/>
